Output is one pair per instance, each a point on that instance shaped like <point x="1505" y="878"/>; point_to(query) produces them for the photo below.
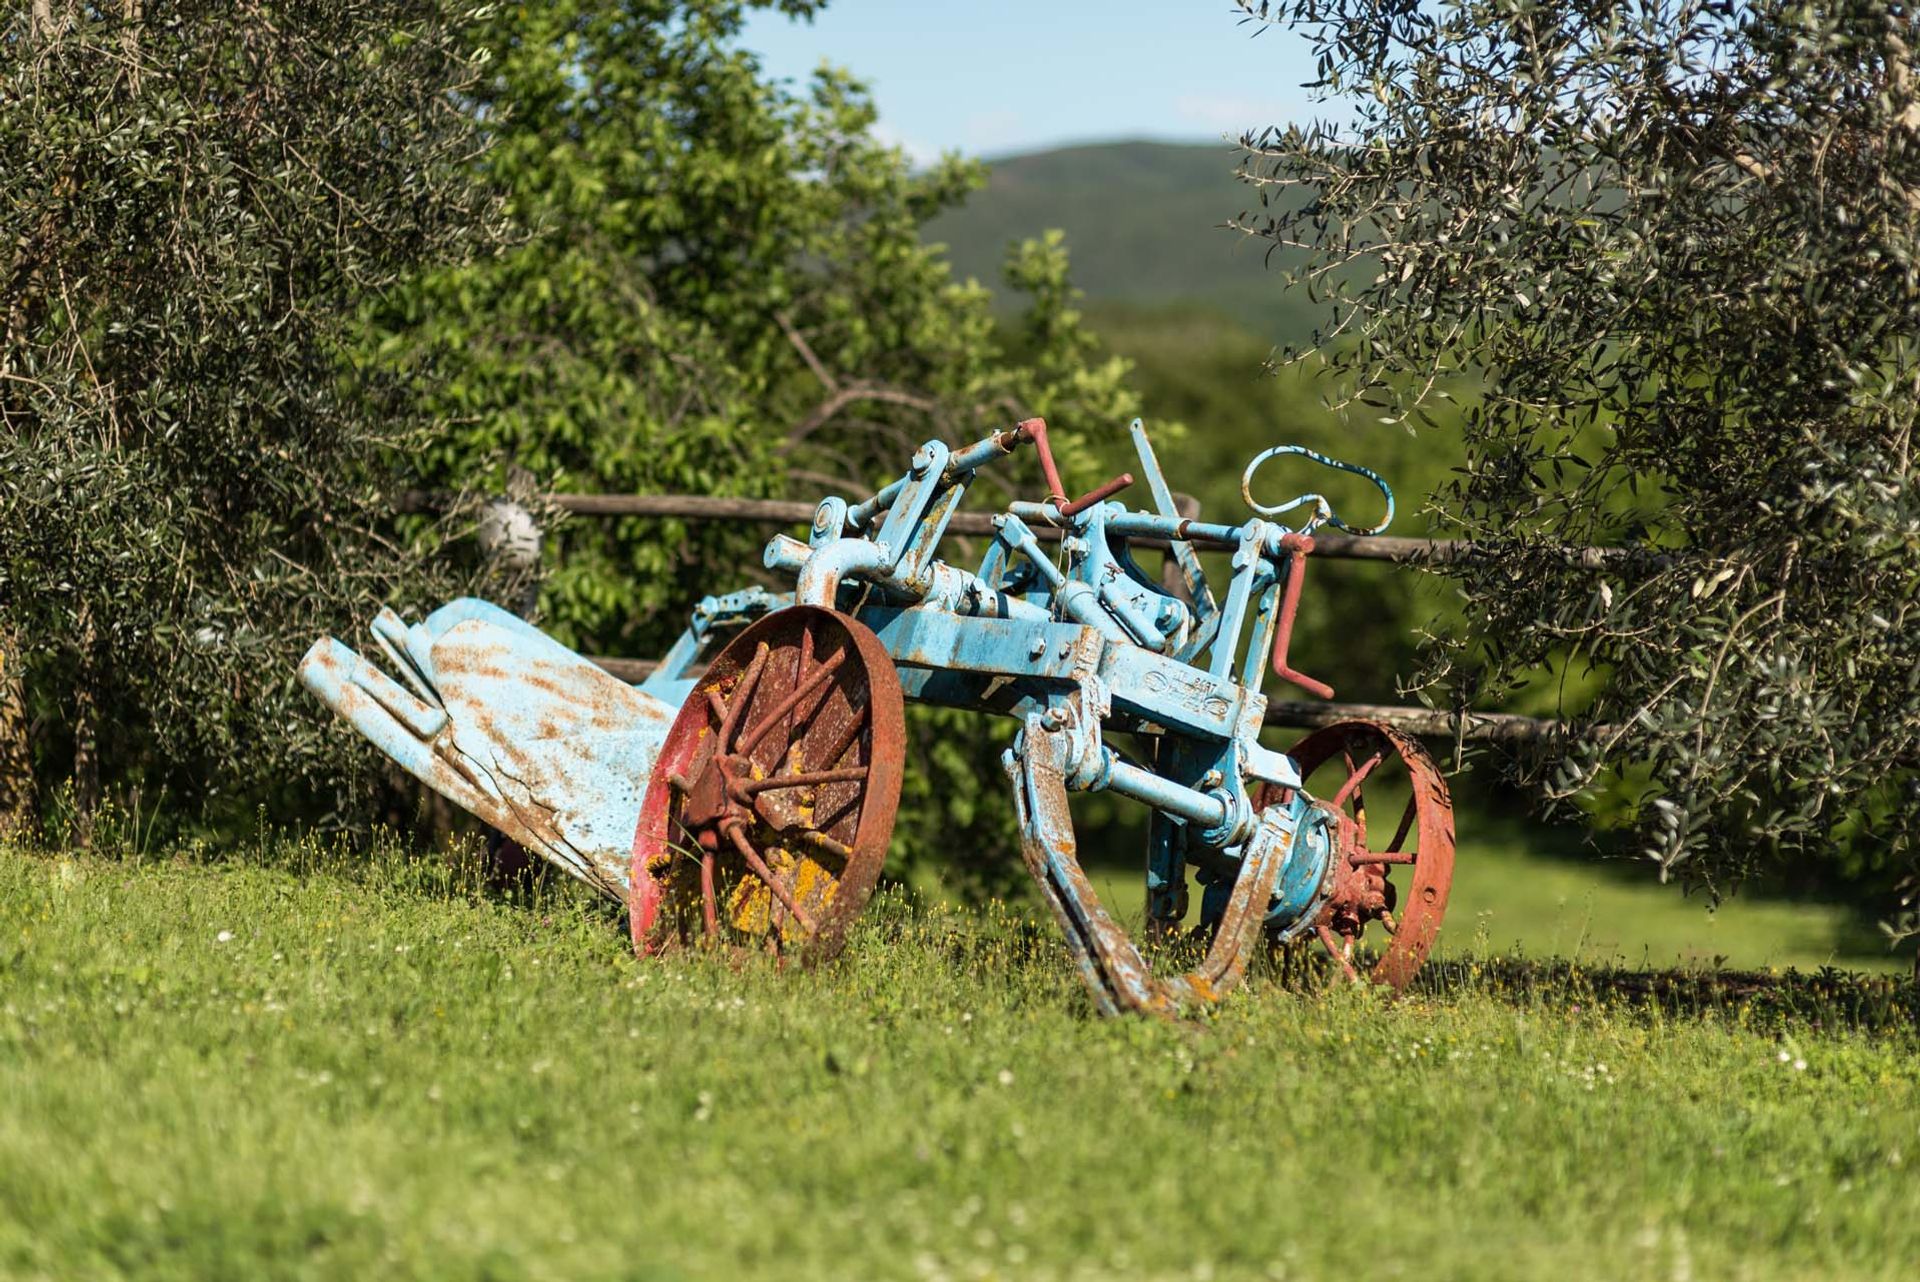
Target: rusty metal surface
<point x="1301" y="545"/>
<point x="1369" y="868"/>
<point x="768" y="814"/>
<point x="509" y="724"/>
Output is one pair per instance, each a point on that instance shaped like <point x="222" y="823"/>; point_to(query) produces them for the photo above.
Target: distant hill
<point x="1143" y="222"/>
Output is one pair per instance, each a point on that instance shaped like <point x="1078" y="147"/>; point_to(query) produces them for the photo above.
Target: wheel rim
<point x="1392" y="882"/>
<point x="769" y="811"/>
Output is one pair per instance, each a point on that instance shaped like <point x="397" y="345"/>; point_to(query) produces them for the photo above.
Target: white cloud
<point x="919" y="153"/>
<point x="1233" y="114"/>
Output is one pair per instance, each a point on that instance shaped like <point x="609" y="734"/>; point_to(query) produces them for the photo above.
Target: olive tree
<point x="1661" y="255"/>
<point x="195" y="200"/>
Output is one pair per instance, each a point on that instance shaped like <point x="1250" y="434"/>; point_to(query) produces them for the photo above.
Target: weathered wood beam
<point x="786" y="512"/>
<point x="1427" y="723"/>
<point x="693" y="507"/>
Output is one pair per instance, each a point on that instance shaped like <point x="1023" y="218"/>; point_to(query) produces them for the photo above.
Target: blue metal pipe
<point x="860" y="514"/>
<point x="820" y="577"/>
<point x="1149" y="525"/>
<point x="1195" y="807"/>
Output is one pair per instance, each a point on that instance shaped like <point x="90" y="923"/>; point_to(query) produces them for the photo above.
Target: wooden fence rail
<point x="1484" y="727"/>
<point x="785" y="512"/>
<point x="1479" y="727"/>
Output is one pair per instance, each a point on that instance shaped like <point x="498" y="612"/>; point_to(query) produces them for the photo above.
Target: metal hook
<point x="1323" y="511"/>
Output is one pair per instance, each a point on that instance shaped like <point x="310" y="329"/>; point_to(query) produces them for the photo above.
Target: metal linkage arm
<point x="1116" y="975"/>
<point x="1078" y="601"/>
<point x="1183" y="554"/>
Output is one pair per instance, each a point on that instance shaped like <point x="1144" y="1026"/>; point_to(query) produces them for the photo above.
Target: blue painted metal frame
<point x="1084" y="645"/>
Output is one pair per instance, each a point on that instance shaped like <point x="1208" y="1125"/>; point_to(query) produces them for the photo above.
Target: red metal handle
<point x="1035" y="430"/>
<point x="1300" y="545"/>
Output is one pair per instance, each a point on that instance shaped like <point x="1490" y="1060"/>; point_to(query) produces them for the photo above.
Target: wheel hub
<point x="1361" y="891"/>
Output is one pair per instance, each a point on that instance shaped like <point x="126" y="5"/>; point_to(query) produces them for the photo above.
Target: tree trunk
<point x="86" y="736"/>
<point x="16" y="757"/>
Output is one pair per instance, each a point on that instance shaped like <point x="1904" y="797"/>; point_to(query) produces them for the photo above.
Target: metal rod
<point x="1143" y="785"/>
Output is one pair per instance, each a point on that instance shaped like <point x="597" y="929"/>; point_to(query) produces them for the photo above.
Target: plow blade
<point x="508" y="724"/>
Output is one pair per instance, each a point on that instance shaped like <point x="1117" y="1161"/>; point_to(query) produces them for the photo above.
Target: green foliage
<point x="1671" y="256"/>
<point x="289" y="1066"/>
<point x="190" y="484"/>
<point x="722" y="289"/>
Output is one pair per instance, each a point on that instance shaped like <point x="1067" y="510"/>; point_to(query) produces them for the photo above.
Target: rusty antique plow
<point x="750" y="801"/>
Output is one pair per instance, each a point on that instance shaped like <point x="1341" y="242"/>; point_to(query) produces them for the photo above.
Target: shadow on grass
<point x="1829" y="998"/>
<point x="1001" y="935"/>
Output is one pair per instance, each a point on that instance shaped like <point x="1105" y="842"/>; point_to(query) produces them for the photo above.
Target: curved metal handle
<point x="1035" y="430"/>
<point x="1323" y="511"/>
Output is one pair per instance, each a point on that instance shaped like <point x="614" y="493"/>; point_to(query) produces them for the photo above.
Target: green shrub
<point x="196" y="199"/>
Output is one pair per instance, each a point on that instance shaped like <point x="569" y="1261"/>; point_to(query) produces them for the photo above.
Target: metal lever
<point x="1323" y="513"/>
<point x="1035" y="430"/>
<point x="1299" y="545"/>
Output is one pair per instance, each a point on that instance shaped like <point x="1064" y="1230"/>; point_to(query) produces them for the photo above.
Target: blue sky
<point x="991" y="77"/>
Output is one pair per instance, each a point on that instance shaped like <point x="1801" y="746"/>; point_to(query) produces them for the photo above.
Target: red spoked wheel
<point x="770" y="808"/>
<point x="1390" y="880"/>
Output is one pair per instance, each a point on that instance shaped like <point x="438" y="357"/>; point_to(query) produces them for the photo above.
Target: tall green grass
<point x="288" y="1066"/>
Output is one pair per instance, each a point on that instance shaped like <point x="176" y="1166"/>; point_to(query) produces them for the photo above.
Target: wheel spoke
<point x="832" y="821"/>
<point x="777" y="887"/>
<point x="1380" y="857"/>
<point x="741" y="694"/>
<point x="804" y="713"/>
<point x="820" y="841"/>
<point x="805" y="656"/>
<point x="1355" y="778"/>
<point x="1350" y="791"/>
<point x="850" y="775"/>
<point x="817" y="678"/>
<point x="1331" y="942"/>
<point x="1406" y="825"/>
<point x="848" y="733"/>
<point x="709" y="902"/>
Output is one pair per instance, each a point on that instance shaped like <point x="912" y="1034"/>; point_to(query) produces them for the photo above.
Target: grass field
<point x="290" y="1068"/>
<point x="1525" y="889"/>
